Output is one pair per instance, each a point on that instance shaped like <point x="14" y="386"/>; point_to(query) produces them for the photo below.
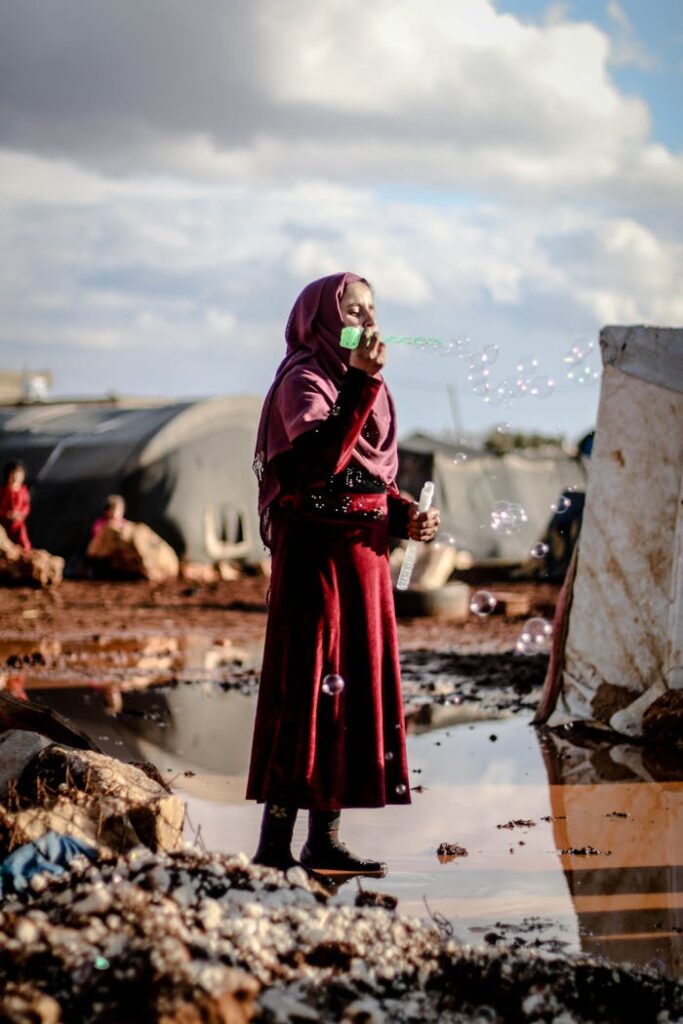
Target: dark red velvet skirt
<point x="331" y="611"/>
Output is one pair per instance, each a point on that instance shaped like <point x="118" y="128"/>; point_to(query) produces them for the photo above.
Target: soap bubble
<point x="542" y="387"/>
<point x="503" y="428"/>
<point x="507" y="517"/>
<point x="479" y="380"/>
<point x="333" y="684"/>
<point x="527" y="365"/>
<point x="461" y="347"/>
<point x="580" y="350"/>
<point x="388" y="755"/>
<point x="539" y="550"/>
<point x="482" y="603"/>
<point x="560" y="506"/>
<point x="583" y="375"/>
<point x="101" y="963"/>
<point x="401" y="789"/>
<point x="535" y="638"/>
<point x="490" y="354"/>
<point x="459" y="457"/>
<point x="449" y="349"/>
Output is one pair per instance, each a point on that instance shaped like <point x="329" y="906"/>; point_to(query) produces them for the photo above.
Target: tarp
<point x="467" y="490"/>
<point x="624" y="644"/>
<point x="184" y="468"/>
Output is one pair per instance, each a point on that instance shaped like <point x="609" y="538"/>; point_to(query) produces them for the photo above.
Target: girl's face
<point x="16" y="479"/>
<point x="357" y="305"/>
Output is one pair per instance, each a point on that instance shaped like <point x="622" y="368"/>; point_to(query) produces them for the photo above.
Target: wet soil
<point x="168" y="675"/>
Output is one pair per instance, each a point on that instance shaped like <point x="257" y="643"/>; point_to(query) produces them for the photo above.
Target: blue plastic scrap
<point x="52" y="853"/>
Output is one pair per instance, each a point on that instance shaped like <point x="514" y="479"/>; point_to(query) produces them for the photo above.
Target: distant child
<point x="113" y="516"/>
<point x="15" y="504"/>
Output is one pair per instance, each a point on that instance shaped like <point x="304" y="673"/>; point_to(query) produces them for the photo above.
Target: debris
<point x="134" y="550"/>
<point x="585" y="851"/>
<point x="37" y="567"/>
<point x="518" y="823"/>
<point x="94" y="798"/>
<point x="449" y="851"/>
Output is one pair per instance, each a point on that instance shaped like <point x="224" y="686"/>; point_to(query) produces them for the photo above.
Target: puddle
<point x="118" y="662"/>
<point x="514" y="886"/>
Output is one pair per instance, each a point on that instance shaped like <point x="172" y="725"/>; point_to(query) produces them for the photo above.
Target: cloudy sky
<point x="172" y="173"/>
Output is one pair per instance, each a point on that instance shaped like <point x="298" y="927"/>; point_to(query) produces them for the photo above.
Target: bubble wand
<point x="426" y="496"/>
<point x="351" y="336"/>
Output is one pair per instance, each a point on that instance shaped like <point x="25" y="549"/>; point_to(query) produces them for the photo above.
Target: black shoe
<point x="337" y="860"/>
<point x="275" y="859"/>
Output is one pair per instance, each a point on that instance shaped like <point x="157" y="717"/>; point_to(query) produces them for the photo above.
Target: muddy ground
<point x="303" y="955"/>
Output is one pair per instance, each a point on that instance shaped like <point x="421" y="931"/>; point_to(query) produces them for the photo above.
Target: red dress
<point x="331" y="612"/>
<point x="15" y="501"/>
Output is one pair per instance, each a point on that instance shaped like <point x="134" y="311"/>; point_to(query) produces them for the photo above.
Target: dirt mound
<point x="156" y="931"/>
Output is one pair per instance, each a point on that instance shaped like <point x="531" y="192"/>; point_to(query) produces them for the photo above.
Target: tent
<point x="184" y="468"/>
<point x="621" y="649"/>
<point x="466" y="491"/>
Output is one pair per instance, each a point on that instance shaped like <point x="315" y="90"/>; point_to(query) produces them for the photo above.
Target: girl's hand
<point x="423" y="525"/>
<point x="371" y="352"/>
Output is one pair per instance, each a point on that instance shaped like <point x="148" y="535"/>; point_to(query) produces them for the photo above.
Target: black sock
<point x="323" y="830"/>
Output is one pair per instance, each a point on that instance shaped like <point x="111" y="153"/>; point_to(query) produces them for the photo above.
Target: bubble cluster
<point x="539" y="550"/>
<point x="535" y="638"/>
<point x="507" y="517"/>
<point x="483" y="603"/>
<point x="580" y="366"/>
<point x="560" y="506"/>
<point x="527" y="381"/>
<point x="332" y="684"/>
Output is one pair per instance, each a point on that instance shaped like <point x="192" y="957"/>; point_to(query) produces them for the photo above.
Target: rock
<point x="227" y="571"/>
<point x="197" y="572"/>
<point x="663" y="720"/>
<point x="17" y="748"/>
<point x="62" y="815"/>
<point x="134" y="550"/>
<point x="22" y="1003"/>
<point x="126" y="805"/>
<point x="37" y="567"/>
<point x="233" y="1005"/>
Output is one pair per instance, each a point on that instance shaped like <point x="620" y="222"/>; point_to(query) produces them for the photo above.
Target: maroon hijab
<point x="306" y="386"/>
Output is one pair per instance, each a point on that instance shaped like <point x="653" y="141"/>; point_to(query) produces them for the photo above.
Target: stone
<point x="21" y="1003"/>
<point x="134" y="550"/>
<point x="197" y="572"/>
<point x="126" y="805"/>
<point x="36" y="567"/>
<point x="663" y="720"/>
<point x="17" y="749"/>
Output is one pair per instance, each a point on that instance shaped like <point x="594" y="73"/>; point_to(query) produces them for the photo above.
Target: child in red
<point x="15" y="504"/>
<point x="113" y="515"/>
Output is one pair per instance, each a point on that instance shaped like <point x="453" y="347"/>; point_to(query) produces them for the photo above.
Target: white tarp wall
<point x="466" y="493"/>
<point x="624" y="643"/>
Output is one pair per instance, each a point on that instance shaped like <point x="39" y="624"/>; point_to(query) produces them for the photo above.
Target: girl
<point x="329" y="729"/>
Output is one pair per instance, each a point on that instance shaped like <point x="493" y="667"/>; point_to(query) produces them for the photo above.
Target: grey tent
<point x="184" y="469"/>
<point x="466" y="491"/>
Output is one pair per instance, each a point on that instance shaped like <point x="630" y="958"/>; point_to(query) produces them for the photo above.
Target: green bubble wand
<point x="351" y="337"/>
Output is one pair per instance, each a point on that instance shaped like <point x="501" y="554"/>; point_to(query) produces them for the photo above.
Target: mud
<point x="168" y="675"/>
<point x="153" y="931"/>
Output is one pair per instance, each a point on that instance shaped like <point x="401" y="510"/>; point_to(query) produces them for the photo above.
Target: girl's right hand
<point x="371" y="352"/>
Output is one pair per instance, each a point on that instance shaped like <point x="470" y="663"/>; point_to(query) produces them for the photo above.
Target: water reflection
<point x="470" y="781"/>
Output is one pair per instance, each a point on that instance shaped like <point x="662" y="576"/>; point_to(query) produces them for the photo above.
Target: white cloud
<point x="626" y="50"/>
<point x="485" y="173"/>
<point x="449" y="93"/>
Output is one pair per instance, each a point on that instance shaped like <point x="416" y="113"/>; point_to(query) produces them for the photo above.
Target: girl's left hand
<point x="423" y="525"/>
